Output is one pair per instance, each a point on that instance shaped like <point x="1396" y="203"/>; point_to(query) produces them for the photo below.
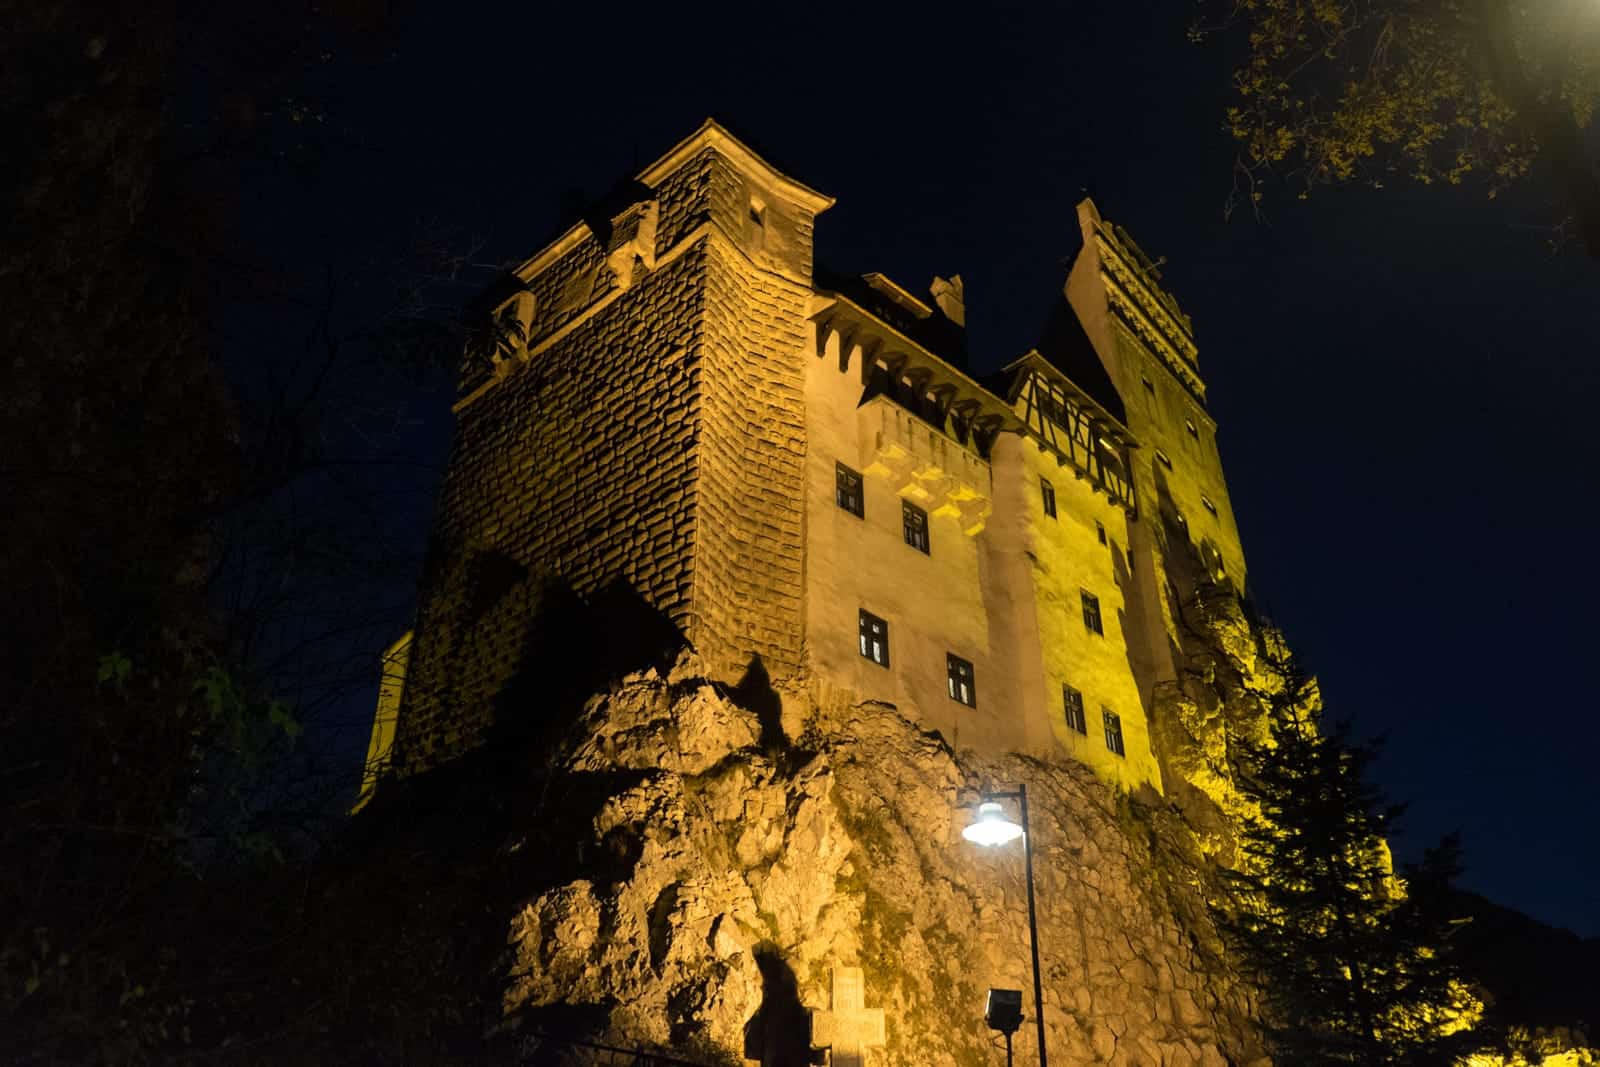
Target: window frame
<point x="1164" y="459"/>
<point x="1072" y="710"/>
<point x="865" y="621"/>
<point x="846" y="479"/>
<point x="1093" y="619"/>
<point x="954" y="666"/>
<point x="911" y="517"/>
<point x="1047" y="496"/>
<point x="1111" y="723"/>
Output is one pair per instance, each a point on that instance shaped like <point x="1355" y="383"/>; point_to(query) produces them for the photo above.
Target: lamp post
<point x="993" y="828"/>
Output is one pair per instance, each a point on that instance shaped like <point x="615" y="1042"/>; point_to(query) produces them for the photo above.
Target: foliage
<point x="171" y="576"/>
<point x="1353" y="970"/>
<point x="1432" y="90"/>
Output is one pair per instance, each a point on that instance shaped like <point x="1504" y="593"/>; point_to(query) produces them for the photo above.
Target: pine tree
<point x="1352" y="970"/>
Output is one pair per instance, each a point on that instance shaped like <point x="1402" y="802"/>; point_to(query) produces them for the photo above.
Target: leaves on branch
<point x="1447" y="91"/>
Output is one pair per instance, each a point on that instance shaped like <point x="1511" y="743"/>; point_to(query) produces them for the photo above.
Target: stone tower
<point x="645" y="443"/>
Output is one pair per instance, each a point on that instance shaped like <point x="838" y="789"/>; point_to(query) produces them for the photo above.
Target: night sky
<point x="1404" y="379"/>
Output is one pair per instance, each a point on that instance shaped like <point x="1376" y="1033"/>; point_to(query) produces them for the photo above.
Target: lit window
<point x="914" y="522"/>
<point x="1113" y="725"/>
<point x="1206" y="502"/>
<point x="1091" y="612"/>
<point x="874" y="638"/>
<point x="1072" y="700"/>
<point x="958" y="673"/>
<point x="847" y="490"/>
<point x="1100" y="531"/>
<point x="1166" y="461"/>
<point x="1047" y="493"/>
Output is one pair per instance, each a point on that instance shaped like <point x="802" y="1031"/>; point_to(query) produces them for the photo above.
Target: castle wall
<point x="934" y="603"/>
<point x="747" y="589"/>
<point x="572" y="471"/>
<point x="1065" y="559"/>
<point x="1177" y="471"/>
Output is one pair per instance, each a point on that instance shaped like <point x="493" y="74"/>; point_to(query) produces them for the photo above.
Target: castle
<point x="799" y="475"/>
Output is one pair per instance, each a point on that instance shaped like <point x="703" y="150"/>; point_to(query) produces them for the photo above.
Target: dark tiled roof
<point x="1068" y="348"/>
<point x="936" y="333"/>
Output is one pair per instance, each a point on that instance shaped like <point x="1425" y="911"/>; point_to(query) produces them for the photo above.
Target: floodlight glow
<point x="992" y="827"/>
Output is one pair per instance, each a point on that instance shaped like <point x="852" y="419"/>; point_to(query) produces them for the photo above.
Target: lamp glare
<point x="991" y="827"/>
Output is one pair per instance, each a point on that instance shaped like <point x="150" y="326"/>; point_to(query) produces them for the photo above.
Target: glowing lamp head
<point x="992" y="827"/>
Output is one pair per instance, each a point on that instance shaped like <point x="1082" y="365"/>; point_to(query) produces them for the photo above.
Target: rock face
<point x="743" y="865"/>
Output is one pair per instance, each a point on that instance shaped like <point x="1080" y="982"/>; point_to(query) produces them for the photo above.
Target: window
<point x="1194" y="433"/>
<point x="1047" y="493"/>
<point x="758" y="211"/>
<point x="1072" y="700"/>
<point x="1209" y="506"/>
<point x="1100" y="531"/>
<point x="874" y="638"/>
<point x="1091" y="612"/>
<point x="1166" y="461"/>
<point x="847" y="490"/>
<point x="1148" y="387"/>
<point x="914" y="522"/>
<point x="1113" y="725"/>
<point x="958" y="672"/>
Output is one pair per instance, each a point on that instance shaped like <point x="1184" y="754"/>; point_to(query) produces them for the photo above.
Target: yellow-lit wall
<point x="1000" y="587"/>
<point x="934" y="602"/>
<point x="1067" y="559"/>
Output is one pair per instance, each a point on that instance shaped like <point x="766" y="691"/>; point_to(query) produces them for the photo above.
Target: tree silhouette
<point x="1351" y="968"/>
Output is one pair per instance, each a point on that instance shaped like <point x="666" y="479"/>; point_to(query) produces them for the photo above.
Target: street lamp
<point x="993" y="828"/>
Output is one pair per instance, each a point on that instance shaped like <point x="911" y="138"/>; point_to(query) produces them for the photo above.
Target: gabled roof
<point x="1066" y="345"/>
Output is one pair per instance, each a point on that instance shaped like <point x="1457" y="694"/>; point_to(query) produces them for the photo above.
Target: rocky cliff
<point x="741" y="853"/>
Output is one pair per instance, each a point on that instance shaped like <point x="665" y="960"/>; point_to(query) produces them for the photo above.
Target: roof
<point x="876" y="294"/>
<point x="1066" y="346"/>
<point x="580" y="216"/>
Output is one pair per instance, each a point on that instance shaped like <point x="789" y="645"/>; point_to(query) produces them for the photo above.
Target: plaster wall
<point x="934" y="603"/>
<point x="1065" y="560"/>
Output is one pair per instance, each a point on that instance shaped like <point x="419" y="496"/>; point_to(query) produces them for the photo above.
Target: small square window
<point x="1100" y="532"/>
<point x="1072" y="701"/>
<point x="1047" y="493"/>
<point x="1091" y="612"/>
<point x="874" y="638"/>
<point x="914" y="523"/>
<point x="1205" y="501"/>
<point x="1113" y="725"/>
<point x="1166" y="460"/>
<point x="847" y="490"/>
<point x="958" y="673"/>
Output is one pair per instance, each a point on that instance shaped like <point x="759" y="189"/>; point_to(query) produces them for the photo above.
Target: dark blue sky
<point x="1405" y="380"/>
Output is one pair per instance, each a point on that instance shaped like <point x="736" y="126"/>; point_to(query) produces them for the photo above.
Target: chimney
<point x="951" y="298"/>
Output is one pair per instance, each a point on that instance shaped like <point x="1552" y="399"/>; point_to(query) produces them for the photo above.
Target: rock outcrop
<point x="735" y="866"/>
